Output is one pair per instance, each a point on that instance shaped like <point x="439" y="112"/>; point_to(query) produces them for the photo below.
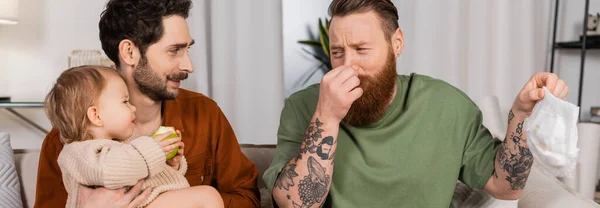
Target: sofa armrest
<point x="544" y="190"/>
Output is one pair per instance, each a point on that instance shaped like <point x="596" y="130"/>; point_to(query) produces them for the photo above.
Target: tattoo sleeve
<point x="513" y="158"/>
<point x="305" y="180"/>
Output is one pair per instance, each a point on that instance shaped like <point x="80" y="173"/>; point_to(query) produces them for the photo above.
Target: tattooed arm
<point x="513" y="162"/>
<point x="306" y="178"/>
<point x="513" y="158"/>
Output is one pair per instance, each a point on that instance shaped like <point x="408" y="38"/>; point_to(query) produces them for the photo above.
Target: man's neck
<point x="148" y="116"/>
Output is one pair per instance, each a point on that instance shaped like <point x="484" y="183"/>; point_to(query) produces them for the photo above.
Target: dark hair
<point x="385" y="9"/>
<point x="137" y="20"/>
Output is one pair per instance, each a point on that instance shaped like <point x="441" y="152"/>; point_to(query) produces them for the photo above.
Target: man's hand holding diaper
<point x="533" y="91"/>
<point x="551" y="124"/>
<point x="514" y="158"/>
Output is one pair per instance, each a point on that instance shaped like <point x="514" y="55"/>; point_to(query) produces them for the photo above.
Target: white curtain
<point x="239" y="63"/>
<point x="485" y="48"/>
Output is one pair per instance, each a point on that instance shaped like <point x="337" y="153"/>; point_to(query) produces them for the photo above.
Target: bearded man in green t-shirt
<point x="367" y="137"/>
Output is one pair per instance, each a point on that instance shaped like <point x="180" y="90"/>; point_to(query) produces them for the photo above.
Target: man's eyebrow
<point x="357" y="44"/>
<point x="182" y="45"/>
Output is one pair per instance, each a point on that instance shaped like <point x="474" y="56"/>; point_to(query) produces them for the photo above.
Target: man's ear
<point x="129" y="53"/>
<point x="94" y="116"/>
<point x="397" y="42"/>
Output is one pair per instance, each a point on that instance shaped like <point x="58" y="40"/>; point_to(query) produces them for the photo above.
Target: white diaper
<point x="552" y="135"/>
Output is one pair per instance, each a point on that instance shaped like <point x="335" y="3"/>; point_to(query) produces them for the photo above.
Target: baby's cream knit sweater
<point x="113" y="165"/>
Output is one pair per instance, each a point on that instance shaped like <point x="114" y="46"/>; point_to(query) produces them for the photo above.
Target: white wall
<point x="300" y="22"/>
<point x="34" y="52"/>
<point x="567" y="63"/>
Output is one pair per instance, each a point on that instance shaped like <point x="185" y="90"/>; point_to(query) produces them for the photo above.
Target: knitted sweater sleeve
<point x="111" y="164"/>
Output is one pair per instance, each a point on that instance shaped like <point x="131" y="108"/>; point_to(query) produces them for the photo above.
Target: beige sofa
<point x="542" y="190"/>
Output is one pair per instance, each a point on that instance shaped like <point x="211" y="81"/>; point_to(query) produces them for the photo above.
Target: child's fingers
<point x="161" y="137"/>
<point x="177" y="159"/>
<point x="170" y="148"/>
<point x="168" y="142"/>
<point x="180" y="144"/>
<point x="174" y="161"/>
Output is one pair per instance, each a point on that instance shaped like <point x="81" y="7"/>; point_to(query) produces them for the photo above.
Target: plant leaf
<point x="324" y="38"/>
<point x="311" y="43"/>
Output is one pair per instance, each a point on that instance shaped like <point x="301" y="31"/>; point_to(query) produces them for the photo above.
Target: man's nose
<point x="349" y="59"/>
<point x="186" y="64"/>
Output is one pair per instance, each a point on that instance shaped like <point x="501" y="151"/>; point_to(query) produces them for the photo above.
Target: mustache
<point x="177" y="76"/>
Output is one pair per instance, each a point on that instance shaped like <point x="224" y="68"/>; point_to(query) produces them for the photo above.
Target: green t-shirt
<point x="430" y="136"/>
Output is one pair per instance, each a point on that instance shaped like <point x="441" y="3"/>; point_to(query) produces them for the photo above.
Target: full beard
<point x="377" y="94"/>
<point x="152" y="85"/>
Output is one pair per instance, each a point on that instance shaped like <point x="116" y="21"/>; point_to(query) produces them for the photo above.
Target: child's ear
<point x="94" y="116"/>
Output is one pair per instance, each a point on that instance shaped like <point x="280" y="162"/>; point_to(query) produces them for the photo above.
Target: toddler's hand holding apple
<point x="169" y="140"/>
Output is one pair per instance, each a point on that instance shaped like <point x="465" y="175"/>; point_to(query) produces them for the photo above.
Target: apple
<point x="165" y="129"/>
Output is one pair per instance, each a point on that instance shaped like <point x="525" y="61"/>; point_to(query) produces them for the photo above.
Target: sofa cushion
<point x="26" y="162"/>
<point x="10" y="190"/>
<point x="261" y="156"/>
<point x="480" y="198"/>
<point x="544" y="190"/>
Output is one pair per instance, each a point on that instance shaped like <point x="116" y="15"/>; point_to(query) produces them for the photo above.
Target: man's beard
<point x="152" y="84"/>
<point x="376" y="97"/>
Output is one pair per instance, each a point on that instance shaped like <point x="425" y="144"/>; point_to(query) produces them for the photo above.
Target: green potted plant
<point x="322" y="46"/>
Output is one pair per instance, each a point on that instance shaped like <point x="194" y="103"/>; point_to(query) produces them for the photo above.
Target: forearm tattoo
<point x="312" y="188"/>
<point x="311" y="143"/>
<point x="514" y="158"/>
<point x="286" y="177"/>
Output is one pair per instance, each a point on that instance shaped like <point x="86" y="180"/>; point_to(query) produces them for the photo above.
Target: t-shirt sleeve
<point x="479" y="153"/>
<point x="289" y="138"/>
